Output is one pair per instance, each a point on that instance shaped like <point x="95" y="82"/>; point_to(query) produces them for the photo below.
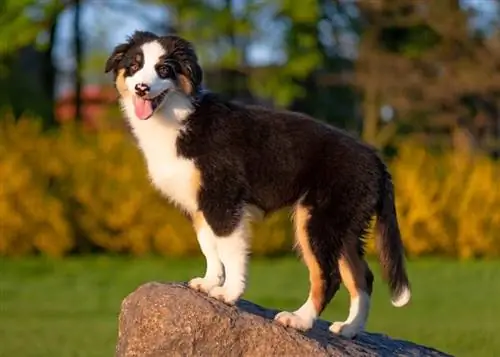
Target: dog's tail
<point x="389" y="244"/>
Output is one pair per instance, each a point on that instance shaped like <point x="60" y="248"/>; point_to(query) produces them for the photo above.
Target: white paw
<point x="222" y="293"/>
<point x="347" y="330"/>
<point x="291" y="319"/>
<point x="204" y="284"/>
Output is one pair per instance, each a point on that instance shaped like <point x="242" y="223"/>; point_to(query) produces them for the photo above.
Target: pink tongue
<point x="143" y="108"/>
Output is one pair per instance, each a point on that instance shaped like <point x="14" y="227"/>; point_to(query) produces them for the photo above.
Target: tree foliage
<point x="425" y="61"/>
<point x="341" y="61"/>
<point x="22" y="21"/>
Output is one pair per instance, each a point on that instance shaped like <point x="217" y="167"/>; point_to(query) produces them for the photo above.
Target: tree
<point x="78" y="52"/>
<point x="28" y="88"/>
<point x="421" y="59"/>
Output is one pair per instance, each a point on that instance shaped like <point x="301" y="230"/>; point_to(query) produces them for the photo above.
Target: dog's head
<point x="147" y="67"/>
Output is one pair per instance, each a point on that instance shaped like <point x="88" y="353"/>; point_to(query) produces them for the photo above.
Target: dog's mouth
<point x="146" y="107"/>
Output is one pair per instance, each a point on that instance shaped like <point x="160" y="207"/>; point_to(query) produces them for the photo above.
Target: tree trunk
<point x="230" y="33"/>
<point x="371" y="107"/>
<point x="49" y="74"/>
<point x="78" y="45"/>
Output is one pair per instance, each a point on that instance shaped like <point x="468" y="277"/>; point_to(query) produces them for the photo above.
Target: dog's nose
<point x="141" y="89"/>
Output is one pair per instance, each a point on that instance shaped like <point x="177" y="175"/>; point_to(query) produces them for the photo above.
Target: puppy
<point x="224" y="164"/>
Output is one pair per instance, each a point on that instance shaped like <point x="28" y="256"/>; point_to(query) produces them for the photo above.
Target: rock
<point x="159" y="320"/>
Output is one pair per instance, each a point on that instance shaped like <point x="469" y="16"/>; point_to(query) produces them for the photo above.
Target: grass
<point x="68" y="308"/>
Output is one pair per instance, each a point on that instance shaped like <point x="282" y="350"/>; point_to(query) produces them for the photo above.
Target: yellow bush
<point x="448" y="203"/>
<point x="75" y="191"/>
<point x="32" y="218"/>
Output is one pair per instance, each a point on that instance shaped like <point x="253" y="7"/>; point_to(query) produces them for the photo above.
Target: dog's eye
<point x="134" y="67"/>
<point x="165" y="71"/>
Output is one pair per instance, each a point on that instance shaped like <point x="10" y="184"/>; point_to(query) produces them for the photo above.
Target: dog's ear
<point x="191" y="72"/>
<point x="190" y="76"/>
<point x="117" y="55"/>
<point x="120" y="50"/>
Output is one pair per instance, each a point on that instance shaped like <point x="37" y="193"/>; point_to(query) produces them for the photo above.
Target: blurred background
<point x="81" y="227"/>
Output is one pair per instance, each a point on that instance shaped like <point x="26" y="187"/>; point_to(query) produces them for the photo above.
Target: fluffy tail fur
<point x="389" y="244"/>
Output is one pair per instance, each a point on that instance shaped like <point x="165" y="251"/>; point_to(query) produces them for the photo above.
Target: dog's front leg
<point x="225" y="251"/>
<point x="214" y="273"/>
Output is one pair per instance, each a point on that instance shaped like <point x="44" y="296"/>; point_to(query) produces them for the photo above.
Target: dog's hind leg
<point x="311" y="231"/>
<point x="358" y="279"/>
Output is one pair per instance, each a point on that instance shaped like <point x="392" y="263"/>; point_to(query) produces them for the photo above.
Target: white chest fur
<point x="173" y="176"/>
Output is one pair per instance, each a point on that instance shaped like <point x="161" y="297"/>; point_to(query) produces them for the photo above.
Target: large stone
<point x="173" y="320"/>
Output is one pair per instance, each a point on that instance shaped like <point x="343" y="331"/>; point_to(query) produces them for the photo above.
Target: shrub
<point x="448" y="203"/>
<point x="74" y="191"/>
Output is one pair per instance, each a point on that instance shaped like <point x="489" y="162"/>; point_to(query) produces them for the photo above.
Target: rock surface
<point x="159" y="320"/>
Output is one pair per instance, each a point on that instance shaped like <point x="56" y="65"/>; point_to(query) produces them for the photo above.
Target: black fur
<point x="271" y="159"/>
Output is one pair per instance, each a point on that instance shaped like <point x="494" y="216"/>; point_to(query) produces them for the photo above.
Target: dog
<point x="225" y="164"/>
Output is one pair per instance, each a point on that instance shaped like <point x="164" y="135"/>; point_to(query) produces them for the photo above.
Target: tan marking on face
<point x="121" y="86"/>
<point x="317" y="288"/>
<point x="352" y="271"/>
<point x="185" y="84"/>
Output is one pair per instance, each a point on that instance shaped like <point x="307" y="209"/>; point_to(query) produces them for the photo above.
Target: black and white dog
<point x="225" y="164"/>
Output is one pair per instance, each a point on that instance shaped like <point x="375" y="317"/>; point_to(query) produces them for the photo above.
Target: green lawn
<point x="69" y="307"/>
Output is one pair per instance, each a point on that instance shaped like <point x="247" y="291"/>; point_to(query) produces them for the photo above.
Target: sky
<point x="109" y="26"/>
<point x="117" y="26"/>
